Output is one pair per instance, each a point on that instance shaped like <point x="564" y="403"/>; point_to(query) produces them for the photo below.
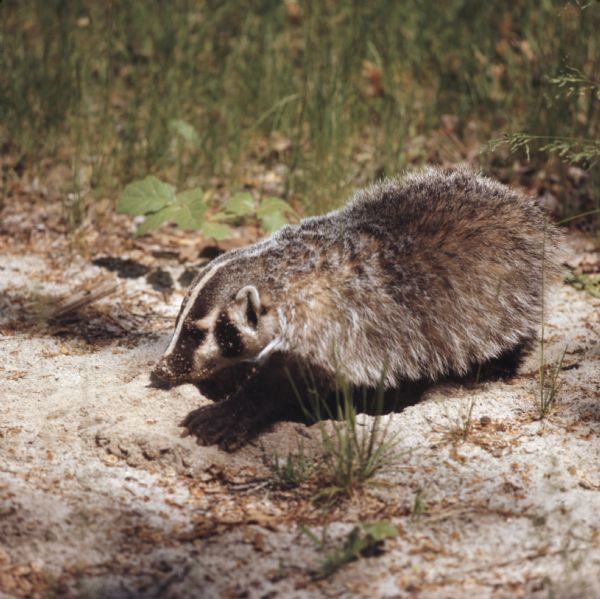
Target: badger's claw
<point x="219" y="424"/>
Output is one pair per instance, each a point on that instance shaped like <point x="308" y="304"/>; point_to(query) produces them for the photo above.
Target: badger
<point x="419" y="277"/>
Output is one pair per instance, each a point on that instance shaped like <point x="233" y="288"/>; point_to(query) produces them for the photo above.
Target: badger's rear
<point x="435" y="273"/>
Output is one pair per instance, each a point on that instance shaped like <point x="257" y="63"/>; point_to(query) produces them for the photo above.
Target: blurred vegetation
<point x="334" y="92"/>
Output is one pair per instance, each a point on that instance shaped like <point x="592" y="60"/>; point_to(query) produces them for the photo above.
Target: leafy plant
<point x="272" y="213"/>
<point x="590" y="283"/>
<point x="364" y="540"/>
<point x="115" y="91"/>
<point x="569" y="149"/>
<point x="572" y="83"/>
<point x="158" y="202"/>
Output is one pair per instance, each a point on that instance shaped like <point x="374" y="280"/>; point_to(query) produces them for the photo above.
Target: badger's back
<point x="416" y="277"/>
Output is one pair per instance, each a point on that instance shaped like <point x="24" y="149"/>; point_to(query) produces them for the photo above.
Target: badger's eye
<point x="198" y="335"/>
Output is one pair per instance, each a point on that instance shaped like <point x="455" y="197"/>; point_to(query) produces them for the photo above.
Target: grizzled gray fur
<point x="419" y="277"/>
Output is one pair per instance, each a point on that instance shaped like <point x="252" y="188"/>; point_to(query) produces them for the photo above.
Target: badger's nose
<point x="161" y="376"/>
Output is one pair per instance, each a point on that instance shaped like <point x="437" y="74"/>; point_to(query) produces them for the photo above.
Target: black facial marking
<point x="228" y="337"/>
<point x="251" y="316"/>
<point x="182" y="358"/>
<point x="196" y="334"/>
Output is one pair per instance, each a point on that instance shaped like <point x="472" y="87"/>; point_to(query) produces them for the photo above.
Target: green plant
<point x="364" y="540"/>
<point x="419" y="503"/>
<point x="570" y="86"/>
<point x="549" y="385"/>
<point x="460" y="428"/>
<point x="569" y="149"/>
<point x="158" y="202"/>
<point x="272" y="213"/>
<point x="293" y="471"/>
<point x="192" y="91"/>
<point x="584" y="282"/>
<point x="572" y="91"/>
<point x="353" y="450"/>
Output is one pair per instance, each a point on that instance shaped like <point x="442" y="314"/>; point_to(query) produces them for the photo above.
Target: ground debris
<point x="82" y="297"/>
<point x="99" y="493"/>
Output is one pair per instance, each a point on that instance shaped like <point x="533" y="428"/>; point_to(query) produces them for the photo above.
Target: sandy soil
<point x="100" y="496"/>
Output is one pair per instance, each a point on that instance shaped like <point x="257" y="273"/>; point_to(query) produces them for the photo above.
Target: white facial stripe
<point x="208" y="321"/>
<point x="201" y="283"/>
<point x="253" y="250"/>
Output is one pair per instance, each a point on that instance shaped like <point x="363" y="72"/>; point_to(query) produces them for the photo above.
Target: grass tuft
<point x="459" y="430"/>
<point x="354" y="448"/>
<point x="364" y="540"/>
<point x="549" y="386"/>
<point x="293" y="471"/>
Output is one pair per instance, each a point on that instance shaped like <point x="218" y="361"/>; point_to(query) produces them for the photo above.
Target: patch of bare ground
<point x="100" y="496"/>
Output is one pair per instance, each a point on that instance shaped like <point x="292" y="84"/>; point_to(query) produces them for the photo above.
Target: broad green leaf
<point x="271" y="205"/>
<point x="190" y="195"/>
<point x="193" y="201"/>
<point x="145" y="196"/>
<point x="153" y="221"/>
<point x="221" y="216"/>
<point x="186" y="131"/>
<point x="240" y="204"/>
<point x="184" y="217"/>
<point x="216" y="230"/>
<point x="180" y="214"/>
<point x="273" y="221"/>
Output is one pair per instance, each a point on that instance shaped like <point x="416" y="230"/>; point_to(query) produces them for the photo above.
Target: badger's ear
<point x="248" y="299"/>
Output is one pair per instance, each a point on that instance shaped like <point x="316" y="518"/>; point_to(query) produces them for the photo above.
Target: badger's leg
<point x="265" y="398"/>
<point x="226" y="382"/>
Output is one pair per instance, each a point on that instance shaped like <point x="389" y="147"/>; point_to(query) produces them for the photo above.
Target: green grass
<point x="549" y="385"/>
<point x="293" y="471"/>
<point x="359" y="89"/>
<point x="353" y="450"/>
<point x="459" y="429"/>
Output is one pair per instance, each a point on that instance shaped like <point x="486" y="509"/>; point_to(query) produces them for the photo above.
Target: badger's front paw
<point x="220" y="424"/>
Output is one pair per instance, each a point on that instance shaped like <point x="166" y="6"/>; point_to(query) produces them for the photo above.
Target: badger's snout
<point x="162" y="376"/>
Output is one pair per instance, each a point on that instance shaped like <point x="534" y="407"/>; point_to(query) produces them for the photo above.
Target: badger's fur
<point x="418" y="277"/>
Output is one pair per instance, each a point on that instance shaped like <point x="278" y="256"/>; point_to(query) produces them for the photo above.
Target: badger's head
<point x="220" y="324"/>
